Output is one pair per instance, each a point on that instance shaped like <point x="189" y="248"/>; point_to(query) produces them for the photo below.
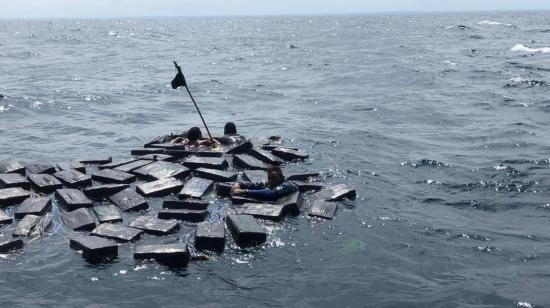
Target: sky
<point x="125" y="8"/>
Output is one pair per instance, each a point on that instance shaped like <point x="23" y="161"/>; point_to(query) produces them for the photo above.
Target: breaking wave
<point x="523" y="48"/>
<point x="425" y="163"/>
<point x="517" y="82"/>
<point x="493" y="23"/>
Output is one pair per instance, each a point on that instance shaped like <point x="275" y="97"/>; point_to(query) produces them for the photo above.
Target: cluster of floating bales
<point x="94" y="194"/>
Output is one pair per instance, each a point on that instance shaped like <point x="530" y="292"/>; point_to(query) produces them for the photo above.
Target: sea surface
<point x="440" y="122"/>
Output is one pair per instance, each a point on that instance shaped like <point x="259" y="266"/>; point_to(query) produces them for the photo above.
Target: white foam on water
<point x="241" y="261"/>
<point x="493" y="23"/>
<point x="519" y="79"/>
<point x="433" y="182"/>
<point x="523" y="48"/>
<point x="277" y="242"/>
<point x="36" y="105"/>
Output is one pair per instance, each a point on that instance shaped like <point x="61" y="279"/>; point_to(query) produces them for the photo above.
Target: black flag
<point x="179" y="80"/>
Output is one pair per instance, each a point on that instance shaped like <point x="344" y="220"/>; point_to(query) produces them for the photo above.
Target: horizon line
<point x="422" y="12"/>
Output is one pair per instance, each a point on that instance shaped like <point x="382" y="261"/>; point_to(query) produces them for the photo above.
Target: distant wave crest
<point x="523" y="48"/>
<point x="488" y="22"/>
<point x="525" y="82"/>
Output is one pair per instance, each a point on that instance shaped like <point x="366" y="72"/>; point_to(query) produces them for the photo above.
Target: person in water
<point x="230" y="135"/>
<point x="275" y="188"/>
<point x="194" y="139"/>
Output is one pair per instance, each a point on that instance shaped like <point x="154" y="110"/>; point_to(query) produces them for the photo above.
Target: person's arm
<point x="223" y="140"/>
<point x="238" y="139"/>
<point x="272" y="194"/>
<point x="261" y="194"/>
<point x="208" y="143"/>
<point x="179" y="140"/>
<point x="191" y="145"/>
<point x="241" y="188"/>
<point x="216" y="142"/>
<point x="248" y="185"/>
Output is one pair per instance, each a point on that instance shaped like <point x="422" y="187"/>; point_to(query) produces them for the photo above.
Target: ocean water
<point x="441" y="122"/>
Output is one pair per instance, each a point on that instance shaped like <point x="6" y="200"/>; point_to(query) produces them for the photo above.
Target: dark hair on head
<point x="230" y="128"/>
<point x="194" y="134"/>
<point x="276" y="170"/>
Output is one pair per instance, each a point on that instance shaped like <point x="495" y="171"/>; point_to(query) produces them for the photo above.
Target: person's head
<point x="275" y="176"/>
<point x="194" y="134"/>
<point x="230" y="129"/>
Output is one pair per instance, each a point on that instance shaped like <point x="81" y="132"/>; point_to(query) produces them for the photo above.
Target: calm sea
<point x="441" y="123"/>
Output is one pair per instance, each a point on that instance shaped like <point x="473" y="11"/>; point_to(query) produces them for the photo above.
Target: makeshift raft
<point x="94" y="196"/>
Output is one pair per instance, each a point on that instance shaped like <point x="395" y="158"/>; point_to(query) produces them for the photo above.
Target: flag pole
<point x="179" y="81"/>
<point x="200" y="114"/>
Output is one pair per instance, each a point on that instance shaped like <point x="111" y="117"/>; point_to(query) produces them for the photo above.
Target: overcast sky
<point x="115" y="8"/>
